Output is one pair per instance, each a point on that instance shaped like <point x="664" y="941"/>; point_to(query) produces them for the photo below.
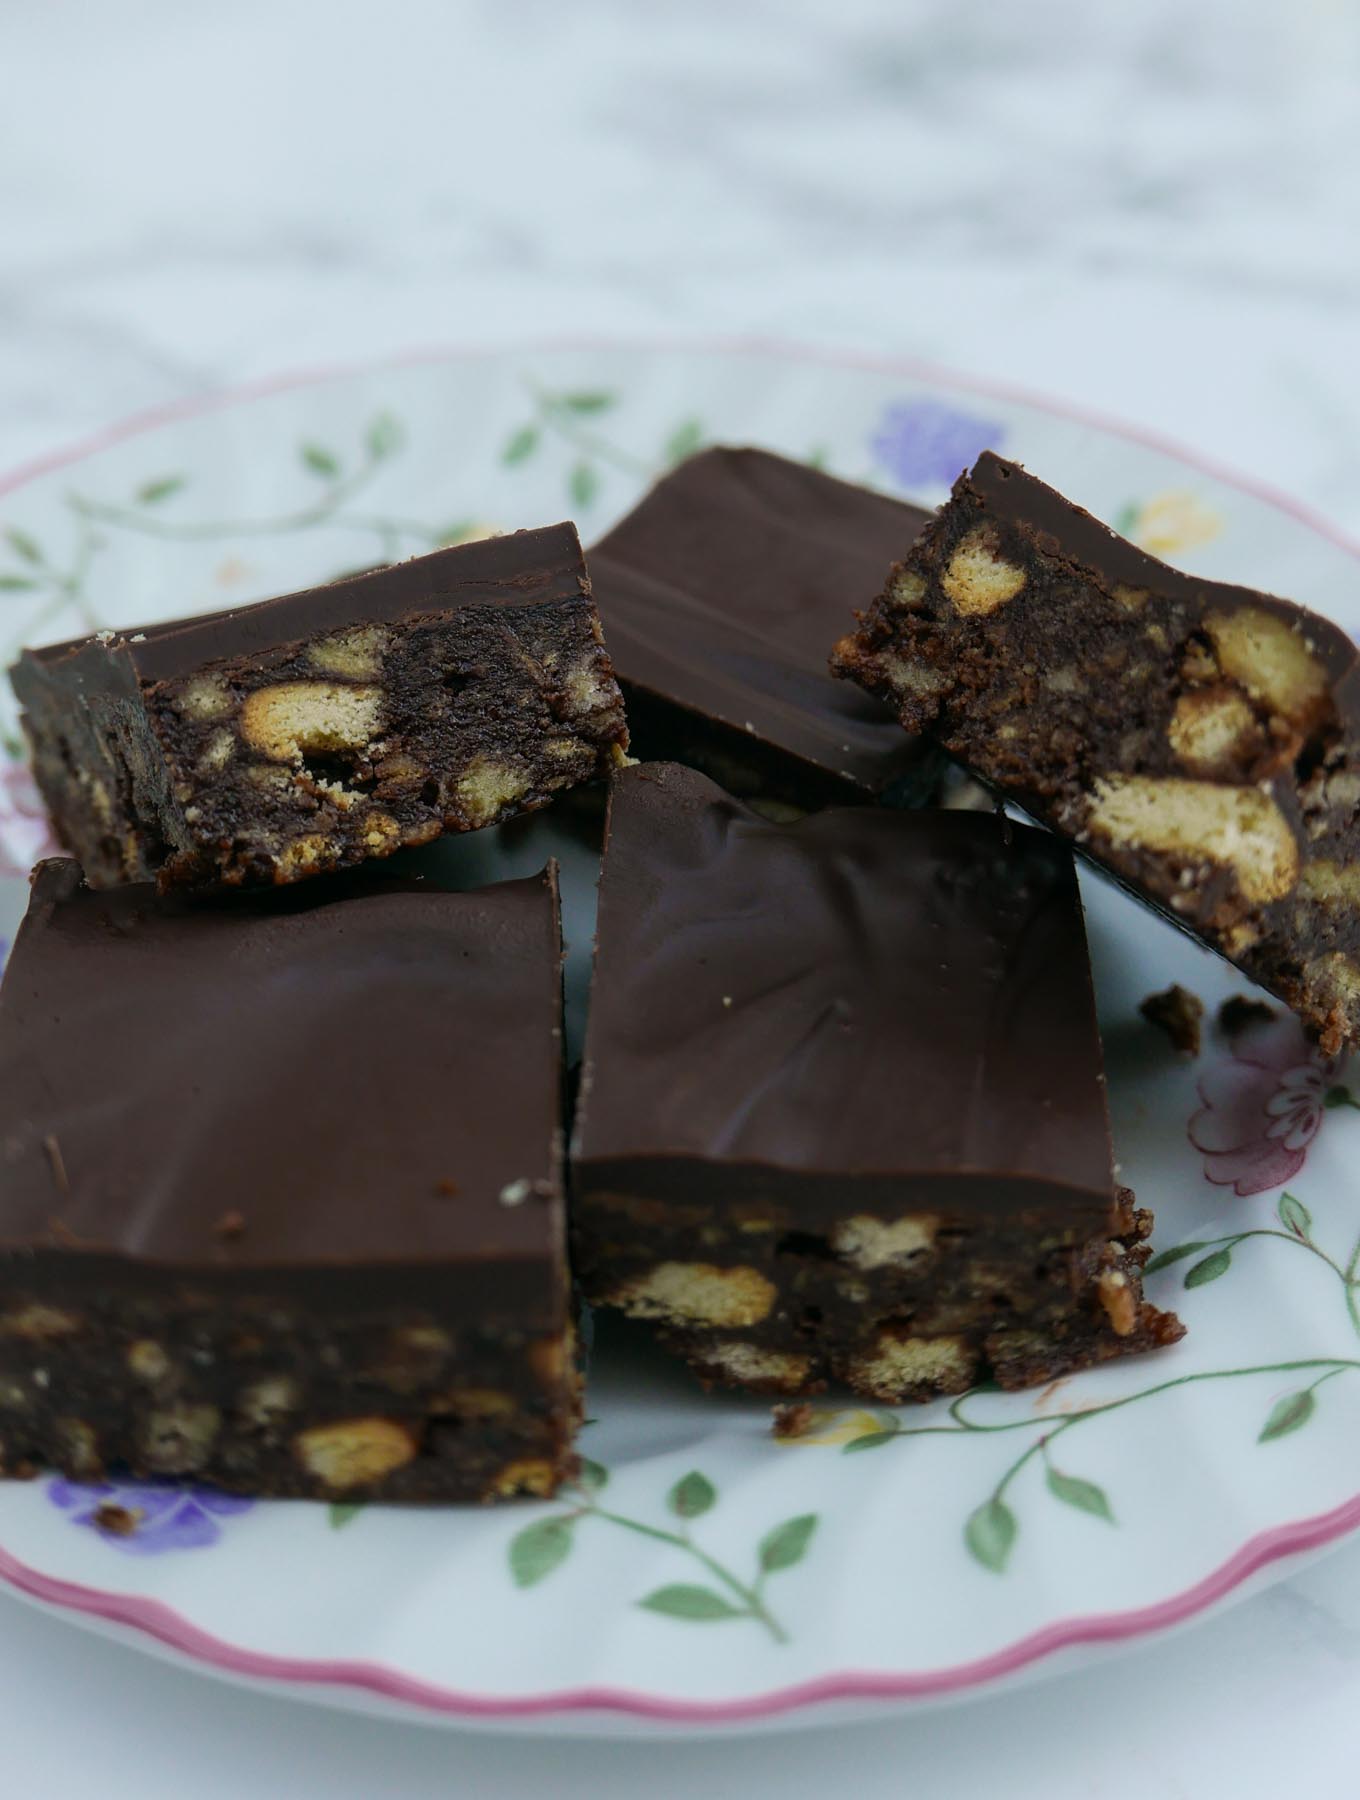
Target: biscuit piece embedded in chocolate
<point x="328" y="727"/>
<point x="842" y="1114"/>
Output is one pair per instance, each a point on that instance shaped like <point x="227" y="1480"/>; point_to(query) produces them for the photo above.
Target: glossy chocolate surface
<point x="723" y="590"/>
<point x="520" y="568"/>
<point x="864" y="1008"/>
<point x="343" y="1083"/>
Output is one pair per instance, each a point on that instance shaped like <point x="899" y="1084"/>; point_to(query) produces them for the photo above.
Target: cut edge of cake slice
<point x="1199" y="741"/>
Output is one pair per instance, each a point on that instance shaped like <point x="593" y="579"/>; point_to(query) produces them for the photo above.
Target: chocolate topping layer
<point x="362" y="1080"/>
<point x="519" y="568"/>
<point x="894" y="1006"/>
<point x="719" y="594"/>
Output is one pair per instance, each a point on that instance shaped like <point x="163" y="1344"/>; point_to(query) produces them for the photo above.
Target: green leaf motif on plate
<point x="583" y="483"/>
<point x="1084" y="1495"/>
<point x="1295" y="1216"/>
<point x="22" y="544"/>
<point x="593" y="1475"/>
<point x="1289" y="1414"/>
<point x="1165" y="1258"/>
<point x="1210" y="1269"/>
<point x="990" y="1534"/>
<point x="592" y="401"/>
<point x="787" y="1543"/>
<point x="319" y="460"/>
<point x="340" y="1512"/>
<point x="869" y="1440"/>
<point x="692" y="1496"/>
<point x="684" y="440"/>
<point x="457" y="533"/>
<point x="384" y="435"/>
<point x="151" y="493"/>
<point x="17" y="584"/>
<point x="537" y="1550"/>
<point x="519" y="445"/>
<point x="683" y="1601"/>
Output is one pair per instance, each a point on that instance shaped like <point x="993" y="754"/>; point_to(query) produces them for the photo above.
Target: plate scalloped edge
<point x="157" y="1620"/>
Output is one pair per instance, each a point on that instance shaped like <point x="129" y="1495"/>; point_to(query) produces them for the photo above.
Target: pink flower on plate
<point x="1261" y="1109"/>
<point x="25" y="829"/>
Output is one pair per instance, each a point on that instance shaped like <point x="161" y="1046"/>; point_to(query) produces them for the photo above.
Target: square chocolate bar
<point x="281" y="1200"/>
<point x="842" y="1109"/>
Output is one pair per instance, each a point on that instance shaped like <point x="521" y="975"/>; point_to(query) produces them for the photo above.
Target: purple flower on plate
<point x="145" y="1518"/>
<point x="922" y="441"/>
<point x="1261" y="1109"/>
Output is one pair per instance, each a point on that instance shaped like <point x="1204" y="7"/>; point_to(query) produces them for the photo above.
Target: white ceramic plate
<point x="713" y="1575"/>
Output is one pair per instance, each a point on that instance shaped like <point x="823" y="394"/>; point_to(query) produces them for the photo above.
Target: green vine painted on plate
<point x="543" y="1546"/>
<point x="576" y="421"/>
<point x="342" y="477"/>
<point x="992" y="1529"/>
<point x="571" y="416"/>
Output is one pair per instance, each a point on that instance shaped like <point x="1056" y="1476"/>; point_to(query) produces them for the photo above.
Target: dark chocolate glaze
<point x="721" y="591"/>
<point x="864" y="1009"/>
<point x="1008" y="493"/>
<point x="521" y="568"/>
<point x="357" y="1072"/>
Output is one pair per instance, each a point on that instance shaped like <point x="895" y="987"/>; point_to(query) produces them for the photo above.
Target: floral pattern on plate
<point x="1262" y="1108"/>
<point x="146" y="1518"/>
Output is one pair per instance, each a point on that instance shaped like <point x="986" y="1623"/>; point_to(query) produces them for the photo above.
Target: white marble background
<point x="1151" y="208"/>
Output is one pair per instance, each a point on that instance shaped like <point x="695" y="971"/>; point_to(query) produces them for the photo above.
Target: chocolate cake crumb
<point x="230" y="1225"/>
<point x="790" y="1421"/>
<point x="1178" y="1013"/>
<point x="118" y="1521"/>
<point x="1240" y="1013"/>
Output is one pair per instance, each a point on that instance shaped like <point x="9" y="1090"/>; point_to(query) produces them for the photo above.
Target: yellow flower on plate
<point x="468" y="531"/>
<point x="826" y="1427"/>
<point x="1171" y="522"/>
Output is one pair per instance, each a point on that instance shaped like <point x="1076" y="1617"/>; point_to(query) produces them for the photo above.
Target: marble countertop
<point x="1149" y="210"/>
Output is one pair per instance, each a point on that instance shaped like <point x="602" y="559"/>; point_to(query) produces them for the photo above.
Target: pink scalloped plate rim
<point x="155" y="1620"/>
<point x="169" y="1628"/>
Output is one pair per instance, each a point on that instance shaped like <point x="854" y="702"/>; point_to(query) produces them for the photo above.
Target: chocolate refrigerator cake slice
<point x="331" y="726"/>
<point x="842" y="1112"/>
<point x="719" y="593"/>
<point x="281" y="1204"/>
<point x="1199" y="741"/>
